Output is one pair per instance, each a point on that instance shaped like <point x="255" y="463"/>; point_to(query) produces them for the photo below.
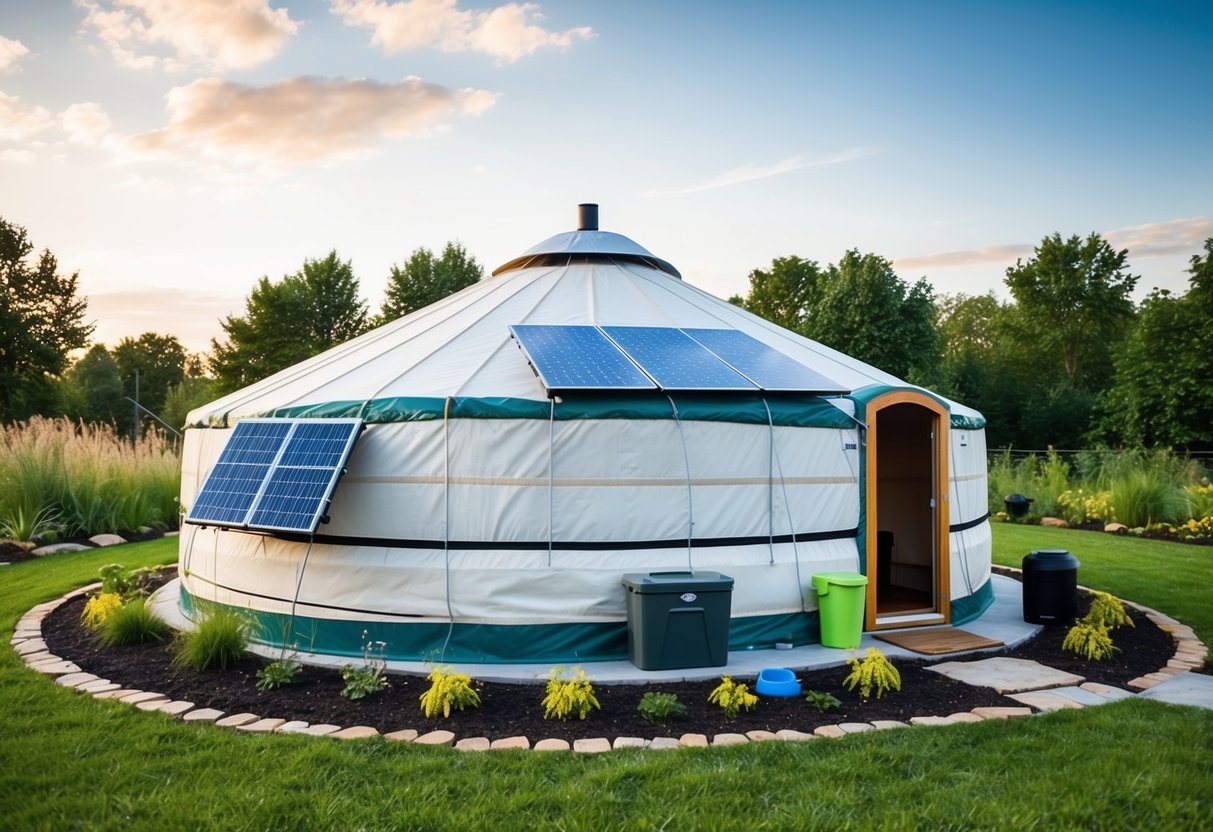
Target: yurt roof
<point x="461" y="346"/>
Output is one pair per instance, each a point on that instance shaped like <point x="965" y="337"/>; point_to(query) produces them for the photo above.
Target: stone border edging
<point x="1190" y="653"/>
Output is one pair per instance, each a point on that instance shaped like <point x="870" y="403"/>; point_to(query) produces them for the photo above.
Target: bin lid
<point x="677" y="582"/>
<point x="823" y="580"/>
<point x="1050" y="560"/>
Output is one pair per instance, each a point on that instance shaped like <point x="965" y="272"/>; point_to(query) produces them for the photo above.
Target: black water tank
<point x="1017" y="505"/>
<point x="1050" y="587"/>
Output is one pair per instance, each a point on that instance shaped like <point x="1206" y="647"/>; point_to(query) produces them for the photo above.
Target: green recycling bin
<point x="840" y="598"/>
<point x="678" y="619"/>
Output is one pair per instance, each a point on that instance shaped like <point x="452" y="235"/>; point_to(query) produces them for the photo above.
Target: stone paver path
<point x="1006" y="675"/>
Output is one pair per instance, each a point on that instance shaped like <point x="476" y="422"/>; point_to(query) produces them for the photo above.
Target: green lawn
<point x="1175" y="578"/>
<point x="70" y="762"/>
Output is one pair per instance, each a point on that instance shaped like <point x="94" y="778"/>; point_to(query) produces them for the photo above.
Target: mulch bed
<point x="514" y="709"/>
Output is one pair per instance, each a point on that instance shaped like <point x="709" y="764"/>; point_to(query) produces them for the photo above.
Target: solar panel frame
<point x="558" y="354"/>
<point x="676" y="361"/>
<point x="762" y="364"/>
<point x="276" y="474"/>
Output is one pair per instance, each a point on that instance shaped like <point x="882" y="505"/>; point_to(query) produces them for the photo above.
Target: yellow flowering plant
<point x="875" y="672"/>
<point x="99" y="608"/>
<point x="732" y="696"/>
<point x="448" y="690"/>
<point x="566" y="697"/>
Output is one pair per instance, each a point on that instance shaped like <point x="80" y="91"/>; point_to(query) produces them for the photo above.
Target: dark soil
<point x="11" y="553"/>
<point x="514" y="709"/>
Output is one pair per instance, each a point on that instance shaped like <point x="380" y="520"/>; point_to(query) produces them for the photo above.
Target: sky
<point x="173" y="152"/>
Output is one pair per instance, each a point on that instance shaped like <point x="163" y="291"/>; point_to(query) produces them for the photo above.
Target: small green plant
<point x="732" y="696"/>
<point x="132" y="623"/>
<point x="277" y="673"/>
<point x="566" y="697"/>
<point x="217" y="643"/>
<point x="875" y="672"/>
<point x="23" y="523"/>
<point x="98" y="608"/>
<point x="128" y="583"/>
<point x="1090" y="641"/>
<point x="371" y="676"/>
<point x="1107" y="611"/>
<point x="659" y="707"/>
<point x="448" y="690"/>
<point x="821" y="700"/>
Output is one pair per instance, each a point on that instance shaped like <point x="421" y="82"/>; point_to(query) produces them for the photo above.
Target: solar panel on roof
<point x="675" y="360"/>
<point x="765" y="366"/>
<point x="577" y="358"/>
<point x="276" y="474"/>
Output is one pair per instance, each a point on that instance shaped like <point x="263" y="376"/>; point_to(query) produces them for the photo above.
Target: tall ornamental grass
<point x="84" y="479"/>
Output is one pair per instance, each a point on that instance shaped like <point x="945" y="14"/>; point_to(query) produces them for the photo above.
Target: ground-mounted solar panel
<point x="276" y="474"/>
<point x="577" y="358"/>
<point x="766" y="366"/>
<point x="675" y="360"/>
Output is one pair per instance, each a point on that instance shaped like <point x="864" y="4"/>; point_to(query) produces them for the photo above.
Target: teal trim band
<point x="863" y="395"/>
<point x="965" y="610"/>
<point x="961" y="422"/>
<point x="495" y="643"/>
<point x="790" y="410"/>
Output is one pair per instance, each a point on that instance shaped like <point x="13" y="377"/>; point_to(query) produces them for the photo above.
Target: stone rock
<point x="597" y="745"/>
<point x="1006" y="675"/>
<point x="1001" y="713"/>
<point x="439" y="737"/>
<point x="888" y="724"/>
<point x="552" y="745"/>
<point x="856" y="727"/>
<point x="730" y="739"/>
<point x="33" y="645"/>
<point x="664" y="744"/>
<point x="143" y="696"/>
<point x="403" y="735"/>
<point x="262" y="726"/>
<point x="203" y="715"/>
<point x="56" y="548"/>
<point x="236" y="720"/>
<point x="106" y="540"/>
<point x="56" y="668"/>
<point x="829" y="731"/>
<point x="930" y="720"/>
<point x="629" y="742"/>
<point x="294" y="726"/>
<point x="964" y="716"/>
<point x="694" y="740"/>
<point x="509" y="743"/>
<point x="473" y="744"/>
<point x="1116" y="528"/>
<point x="322" y="729"/>
<point x="75" y="680"/>
<point x="1054" y="522"/>
<point x="98" y="686"/>
<point x="1043" y="700"/>
<point x="115" y="694"/>
<point x="176" y="708"/>
<point x="788" y="735"/>
<point x="356" y="732"/>
<point x="760" y="736"/>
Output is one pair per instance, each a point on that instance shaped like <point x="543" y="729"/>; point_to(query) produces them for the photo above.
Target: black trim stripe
<point x="972" y="524"/>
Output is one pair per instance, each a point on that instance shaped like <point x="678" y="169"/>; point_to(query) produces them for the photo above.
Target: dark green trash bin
<point x="678" y="619"/>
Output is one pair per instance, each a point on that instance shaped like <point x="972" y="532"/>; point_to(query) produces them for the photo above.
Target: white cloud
<point x="17" y="157"/>
<point x="507" y="32"/>
<point x="17" y="124"/>
<point x="219" y="34"/>
<point x="1004" y="254"/>
<point x="751" y="172"/>
<point x="11" y="51"/>
<point x="302" y="120"/>
<point x="85" y="123"/>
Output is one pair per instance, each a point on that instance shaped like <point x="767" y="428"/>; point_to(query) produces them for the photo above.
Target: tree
<point x="41" y="321"/>
<point x="861" y="307"/>
<point x="160" y="361"/>
<point x="784" y="293"/>
<point x="92" y="390"/>
<point x="1163" y="390"/>
<point x="424" y="279"/>
<point x="193" y="391"/>
<point x="1073" y="303"/>
<point x="305" y="313"/>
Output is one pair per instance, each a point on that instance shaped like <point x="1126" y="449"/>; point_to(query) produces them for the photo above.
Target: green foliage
<point x="92" y="390"/>
<point x="1044" y="480"/>
<point x="448" y="690"/>
<point x="216" y="643"/>
<point x="42" y="319"/>
<point x="659" y="707"/>
<point x="732" y="696"/>
<point x="784" y="293"/>
<point x="426" y="279"/>
<point x="1080" y="506"/>
<point x="286" y="322"/>
<point x="277" y="673"/>
<point x="1145" y="496"/>
<point x="132" y="623"/>
<point x="191" y="392"/>
<point x="875" y="672"/>
<point x="98" y="608"/>
<point x="1089" y="641"/>
<point x="23" y="524"/>
<point x="371" y="676"/>
<point x="127" y="583"/>
<point x="1107" y="612"/>
<point x="821" y="700"/>
<point x="565" y="697"/>
<point x="160" y="362"/>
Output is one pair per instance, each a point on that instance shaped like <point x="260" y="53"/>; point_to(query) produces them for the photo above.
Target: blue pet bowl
<point x="777" y="681"/>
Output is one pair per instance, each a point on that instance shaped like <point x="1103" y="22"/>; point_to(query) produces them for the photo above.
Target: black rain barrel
<point x="1017" y="505"/>
<point x="1050" y="587"/>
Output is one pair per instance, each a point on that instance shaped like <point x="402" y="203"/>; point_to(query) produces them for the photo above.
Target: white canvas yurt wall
<point x="481" y="520"/>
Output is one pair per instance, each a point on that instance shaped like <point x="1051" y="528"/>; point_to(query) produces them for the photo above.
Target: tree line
<point x="1069" y="361"/>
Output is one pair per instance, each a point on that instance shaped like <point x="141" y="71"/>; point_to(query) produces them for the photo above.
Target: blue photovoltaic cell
<point x="276" y="474"/>
<point x="577" y="358"/>
<point x="674" y="360"/>
<point x="763" y="365"/>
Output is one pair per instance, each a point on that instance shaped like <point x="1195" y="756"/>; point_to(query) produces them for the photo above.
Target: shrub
<point x="732" y="697"/>
<point x="1200" y="501"/>
<point x="127" y="583"/>
<point x="1108" y="612"/>
<point x="99" y="608"/>
<point x="874" y="672"/>
<point x="278" y="673"/>
<point x="1089" y="641"/>
<point x="132" y="623"/>
<point x="371" y="677"/>
<point x="217" y="643"/>
<point x="821" y="700"/>
<point x="658" y="707"/>
<point x="1080" y="506"/>
<point x="22" y="524"/>
<point x="1145" y="496"/>
<point x="448" y="690"/>
<point x="565" y="697"/>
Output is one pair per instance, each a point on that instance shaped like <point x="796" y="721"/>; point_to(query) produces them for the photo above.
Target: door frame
<point x="941" y="526"/>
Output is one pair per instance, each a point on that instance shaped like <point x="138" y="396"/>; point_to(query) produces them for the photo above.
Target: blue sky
<point x="174" y="151"/>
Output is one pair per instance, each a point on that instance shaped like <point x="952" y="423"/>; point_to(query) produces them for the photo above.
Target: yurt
<point x="471" y="482"/>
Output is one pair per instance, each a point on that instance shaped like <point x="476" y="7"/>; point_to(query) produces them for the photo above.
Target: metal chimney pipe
<point x="587" y="216"/>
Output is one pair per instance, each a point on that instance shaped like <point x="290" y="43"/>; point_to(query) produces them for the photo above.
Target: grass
<point x="1175" y="578"/>
<point x="67" y="761"/>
